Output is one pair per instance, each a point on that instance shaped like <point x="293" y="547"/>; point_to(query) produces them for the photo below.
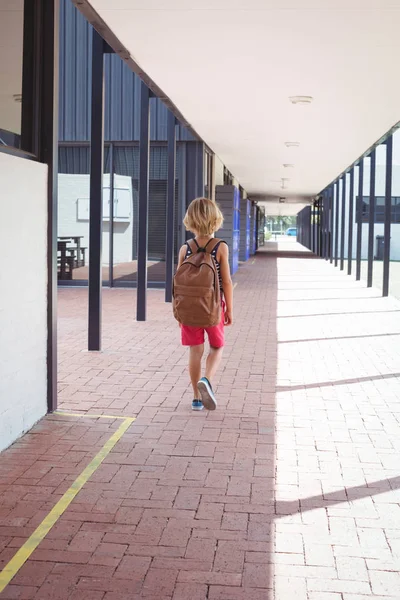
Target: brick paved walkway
<point x="289" y="491"/>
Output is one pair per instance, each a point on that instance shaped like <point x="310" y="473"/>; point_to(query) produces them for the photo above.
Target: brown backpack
<point x="196" y="292"/>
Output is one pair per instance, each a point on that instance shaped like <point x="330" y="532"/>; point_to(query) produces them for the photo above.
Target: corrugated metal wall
<point x="122" y="89"/>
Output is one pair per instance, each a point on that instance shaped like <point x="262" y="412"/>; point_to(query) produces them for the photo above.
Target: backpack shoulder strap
<point x="193" y="245"/>
<point x="212" y="244"/>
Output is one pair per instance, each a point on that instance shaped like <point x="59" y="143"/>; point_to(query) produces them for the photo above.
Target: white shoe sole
<point x="207" y="396"/>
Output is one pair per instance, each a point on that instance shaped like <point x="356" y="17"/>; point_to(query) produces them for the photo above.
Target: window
<point x="11" y="56"/>
<point x="379" y="209"/>
<point x="208" y="175"/>
<point x="228" y="177"/>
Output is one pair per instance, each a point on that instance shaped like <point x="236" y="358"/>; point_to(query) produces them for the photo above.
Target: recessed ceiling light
<point x="288" y="166"/>
<point x="301" y="99"/>
<point x="284" y="181"/>
<point x="292" y="144"/>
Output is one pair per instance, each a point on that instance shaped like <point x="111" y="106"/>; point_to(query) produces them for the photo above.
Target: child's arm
<point x="223" y="259"/>
<point x="181" y="257"/>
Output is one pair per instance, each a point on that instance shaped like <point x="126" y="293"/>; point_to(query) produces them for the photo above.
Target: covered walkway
<point x="289" y="490"/>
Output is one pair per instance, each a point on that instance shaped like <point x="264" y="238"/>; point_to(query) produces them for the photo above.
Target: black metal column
<point x="320" y="225"/>
<point x="327" y="224"/>
<point x="388" y="215"/>
<point x="316" y="227"/>
<point x="305" y="230"/>
<point x="313" y="228"/>
<point x="323" y="215"/>
<point x="300" y="232"/>
<point x="351" y="223"/>
<point x="170" y="232"/>
<point x="323" y="235"/>
<point x="111" y="222"/>
<point x="331" y="199"/>
<point x="337" y="223"/>
<point x="371" y="221"/>
<point x="182" y="195"/>
<point x="300" y="227"/>
<point x="47" y="146"/>
<point x="96" y="192"/>
<point x="343" y="223"/>
<point x="200" y="170"/>
<point x="320" y="221"/>
<point x="192" y="183"/>
<point x="144" y="154"/>
<point x="324" y="228"/>
<point x="359" y="203"/>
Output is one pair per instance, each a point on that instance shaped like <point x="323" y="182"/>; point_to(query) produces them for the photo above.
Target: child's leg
<point x="195" y="356"/>
<point x="216" y="337"/>
<point x="213" y="362"/>
<point x="206" y="391"/>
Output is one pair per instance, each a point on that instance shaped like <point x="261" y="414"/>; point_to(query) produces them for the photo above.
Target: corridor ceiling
<point x="230" y="67"/>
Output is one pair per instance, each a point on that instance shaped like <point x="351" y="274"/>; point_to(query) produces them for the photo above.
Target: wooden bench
<point x="79" y="261"/>
<point x="65" y="270"/>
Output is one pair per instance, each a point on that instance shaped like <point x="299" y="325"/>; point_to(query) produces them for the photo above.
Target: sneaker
<point x="207" y="394"/>
<point x="197" y="405"/>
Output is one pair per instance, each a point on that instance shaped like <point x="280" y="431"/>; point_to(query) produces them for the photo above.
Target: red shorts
<point x="194" y="336"/>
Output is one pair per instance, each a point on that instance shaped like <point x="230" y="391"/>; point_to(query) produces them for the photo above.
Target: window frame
<point x="364" y="216"/>
<point x="33" y="65"/>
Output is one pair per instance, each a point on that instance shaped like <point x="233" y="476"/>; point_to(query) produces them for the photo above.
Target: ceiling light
<point x="284" y="180"/>
<point x="301" y="99"/>
<point x="292" y="144"/>
<point x="288" y="166"/>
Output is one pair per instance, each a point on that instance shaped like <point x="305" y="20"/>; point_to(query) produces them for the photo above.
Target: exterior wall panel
<point x="23" y="284"/>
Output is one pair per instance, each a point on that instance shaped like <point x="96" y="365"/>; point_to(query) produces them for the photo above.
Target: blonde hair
<point x="203" y="217"/>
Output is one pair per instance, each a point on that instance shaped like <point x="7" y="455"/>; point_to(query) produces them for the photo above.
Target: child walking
<point x="204" y="304"/>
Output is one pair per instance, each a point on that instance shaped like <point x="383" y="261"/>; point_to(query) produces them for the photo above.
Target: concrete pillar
<point x="228" y="199"/>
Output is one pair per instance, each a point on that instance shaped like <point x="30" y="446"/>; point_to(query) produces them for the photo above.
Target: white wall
<point x="74" y="189"/>
<point x="380" y="182"/>
<point x="23" y="296"/>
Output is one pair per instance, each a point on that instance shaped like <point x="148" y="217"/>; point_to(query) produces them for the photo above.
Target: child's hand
<point x="228" y="318"/>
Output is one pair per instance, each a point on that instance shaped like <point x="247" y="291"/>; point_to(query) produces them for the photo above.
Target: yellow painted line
<point x="68" y="414"/>
<point x="253" y="261"/>
<point x="234" y="285"/>
<point x="20" y="558"/>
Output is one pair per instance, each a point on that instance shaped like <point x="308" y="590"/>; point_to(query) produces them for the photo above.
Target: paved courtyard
<point x="289" y="491"/>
